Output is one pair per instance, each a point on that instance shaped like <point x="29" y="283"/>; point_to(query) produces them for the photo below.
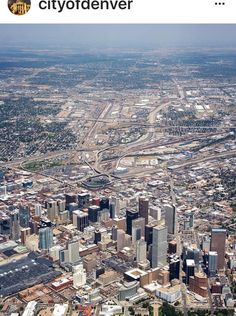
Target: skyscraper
<point x="130" y="216"/>
<point x="45" y="238"/>
<point x="24" y="216"/>
<point x="79" y="276"/>
<point x="171" y="218"/>
<point x="120" y="239"/>
<point x="159" y="246"/>
<point x="212" y="263"/>
<point x="140" y="222"/>
<point x="143" y="206"/>
<point x="136" y="233"/>
<point x="80" y="220"/>
<point x="83" y="199"/>
<point x="52" y="210"/>
<point x="38" y="210"/>
<point x="93" y="213"/>
<point x="104" y="203"/>
<point x="71" y="253"/>
<point x="218" y="239"/>
<point x="141" y="251"/>
<point x="14" y="225"/>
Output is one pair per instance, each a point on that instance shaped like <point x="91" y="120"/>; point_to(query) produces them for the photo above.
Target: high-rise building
<point x="174" y="267"/>
<point x="93" y="212"/>
<point x="149" y="233"/>
<point x="140" y="222"/>
<point x="52" y="210"/>
<point x="14" y="225"/>
<point x="190" y="217"/>
<point x="116" y="202"/>
<point x="171" y="218"/>
<point x="212" y="263"/>
<point x="97" y="236"/>
<point x="71" y="198"/>
<point x="112" y="210"/>
<point x="24" y="233"/>
<point x="61" y="206"/>
<point x="45" y="238"/>
<point x="130" y="216"/>
<point x="120" y="239"/>
<point x="218" y="239"/>
<point x="70" y="255"/>
<point x="24" y="216"/>
<point x="79" y="276"/>
<point x="159" y="246"/>
<point x="190" y="269"/>
<point x="5" y="224"/>
<point x="136" y="233"/>
<point x="114" y="233"/>
<point x="38" y="210"/>
<point x="80" y="220"/>
<point x="83" y="199"/>
<point x="143" y="205"/>
<point x="104" y="203"/>
<point x="141" y="251"/>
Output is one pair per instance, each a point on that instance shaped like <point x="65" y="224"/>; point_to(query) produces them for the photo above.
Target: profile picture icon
<point x="19" y="7"/>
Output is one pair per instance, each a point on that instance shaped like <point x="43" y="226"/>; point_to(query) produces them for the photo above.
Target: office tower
<point x="103" y="215"/>
<point x="141" y="251"/>
<point x="71" y="198"/>
<point x="136" y="233"/>
<point x="155" y="212"/>
<point x="148" y="233"/>
<point x="93" y="212"/>
<point x="5" y="224"/>
<point x="159" y="246"/>
<point x="70" y="255"/>
<point x="71" y="207"/>
<point x="143" y="205"/>
<point x="38" y="210"/>
<point x="52" y="210"/>
<point x="24" y="233"/>
<point x="115" y="200"/>
<point x="104" y="203"/>
<point x="212" y="263"/>
<point x="14" y="225"/>
<point x="170" y="218"/>
<point x="140" y="222"/>
<point x="174" y="267"/>
<point x="172" y="247"/>
<point x="190" y="267"/>
<point x="24" y="216"/>
<point x="114" y="233"/>
<point x="190" y="217"/>
<point x="130" y="216"/>
<point x="61" y="206"/>
<point x="45" y="238"/>
<point x="218" y="239"/>
<point x="80" y="220"/>
<point x="83" y="200"/>
<point x="79" y="276"/>
<point x="120" y="239"/>
<point x="97" y="236"/>
<point x="112" y="210"/>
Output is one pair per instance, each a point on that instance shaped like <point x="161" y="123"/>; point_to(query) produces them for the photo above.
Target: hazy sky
<point x="118" y="35"/>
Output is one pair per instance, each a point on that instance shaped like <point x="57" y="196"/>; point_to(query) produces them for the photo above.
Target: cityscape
<point x="117" y="181"/>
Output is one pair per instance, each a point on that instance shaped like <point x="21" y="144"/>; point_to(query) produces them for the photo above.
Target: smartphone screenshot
<point x="117" y="158"/>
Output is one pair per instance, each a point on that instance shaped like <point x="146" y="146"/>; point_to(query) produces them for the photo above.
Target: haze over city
<point x="117" y="170"/>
